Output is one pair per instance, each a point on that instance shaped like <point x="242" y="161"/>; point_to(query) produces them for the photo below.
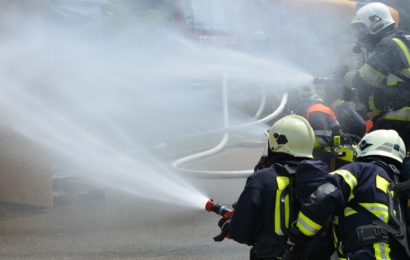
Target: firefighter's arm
<point x="324" y="202"/>
<point x="314" y="214"/>
<point x="243" y="223"/>
<point x="321" y="205"/>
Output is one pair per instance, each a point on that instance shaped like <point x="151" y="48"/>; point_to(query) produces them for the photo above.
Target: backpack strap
<point x="287" y="169"/>
<point x="399" y="236"/>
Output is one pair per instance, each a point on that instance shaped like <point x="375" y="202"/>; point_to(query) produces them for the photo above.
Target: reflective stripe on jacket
<point x="383" y="82"/>
<point x="363" y="183"/>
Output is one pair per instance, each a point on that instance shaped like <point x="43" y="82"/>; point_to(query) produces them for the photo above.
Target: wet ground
<point x="119" y="226"/>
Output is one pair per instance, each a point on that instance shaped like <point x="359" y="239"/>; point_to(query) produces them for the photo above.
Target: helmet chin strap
<point x="370" y="41"/>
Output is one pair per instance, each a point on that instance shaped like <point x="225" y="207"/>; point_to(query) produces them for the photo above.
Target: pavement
<point x="121" y="226"/>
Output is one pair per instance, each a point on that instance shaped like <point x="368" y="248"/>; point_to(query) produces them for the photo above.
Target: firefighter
<point x="269" y="200"/>
<point x="367" y="216"/>
<point x="383" y="82"/>
<point x="329" y="135"/>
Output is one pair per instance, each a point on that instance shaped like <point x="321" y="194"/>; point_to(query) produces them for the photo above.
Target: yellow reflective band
<point x="381" y="251"/>
<point x="307" y="226"/>
<point x="372" y="107"/>
<point x="379" y="210"/>
<point x="371" y="75"/>
<point x="335" y="238"/>
<point x="406" y="72"/>
<point x="403" y="114"/>
<point x="278" y="230"/>
<point x="382" y="184"/>
<point x="403" y="47"/>
<point x="349" y="211"/>
<point x="349" y="178"/>
<point x="392" y="80"/>
<point x="282" y="182"/>
<point x="287" y="210"/>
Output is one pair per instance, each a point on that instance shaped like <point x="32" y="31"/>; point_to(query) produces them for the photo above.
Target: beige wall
<point x="25" y="171"/>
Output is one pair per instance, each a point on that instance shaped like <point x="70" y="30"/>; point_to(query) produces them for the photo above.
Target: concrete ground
<point x="120" y="226"/>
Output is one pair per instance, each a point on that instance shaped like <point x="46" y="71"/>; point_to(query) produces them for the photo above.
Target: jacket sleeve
<point x="243" y="224"/>
<point x="388" y="59"/>
<point x="325" y="202"/>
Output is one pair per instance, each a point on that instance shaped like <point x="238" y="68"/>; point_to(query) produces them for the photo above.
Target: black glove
<point x="294" y="252"/>
<point x="297" y="237"/>
<point x="223" y="224"/>
<point x="296" y="244"/>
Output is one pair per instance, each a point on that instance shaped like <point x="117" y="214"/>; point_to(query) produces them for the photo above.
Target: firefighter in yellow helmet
<point x="271" y="197"/>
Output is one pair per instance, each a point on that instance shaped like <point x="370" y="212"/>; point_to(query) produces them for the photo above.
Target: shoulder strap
<point x="389" y="168"/>
<point x="357" y="207"/>
<point x="287" y="169"/>
<point x="399" y="235"/>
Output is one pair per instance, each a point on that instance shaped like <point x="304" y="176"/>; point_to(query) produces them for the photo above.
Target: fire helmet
<point x="292" y="135"/>
<point x="373" y="20"/>
<point x="386" y="143"/>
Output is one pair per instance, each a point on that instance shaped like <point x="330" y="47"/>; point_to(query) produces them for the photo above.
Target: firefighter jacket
<point x="264" y="209"/>
<point x="359" y="183"/>
<point x="351" y="122"/>
<point x="383" y="82"/>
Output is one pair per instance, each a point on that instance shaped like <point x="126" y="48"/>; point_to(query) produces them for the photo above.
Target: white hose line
<point x="221" y="144"/>
<point x="262" y="104"/>
<point x="260" y="121"/>
<point x="269" y="117"/>
<point x="224" y="141"/>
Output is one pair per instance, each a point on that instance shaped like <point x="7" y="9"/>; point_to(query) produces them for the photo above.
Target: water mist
<point x="93" y="102"/>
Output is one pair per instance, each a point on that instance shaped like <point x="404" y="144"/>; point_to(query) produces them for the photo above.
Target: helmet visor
<point x="360" y="31"/>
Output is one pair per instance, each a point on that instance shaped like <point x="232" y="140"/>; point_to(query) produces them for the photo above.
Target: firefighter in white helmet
<point x="383" y="82"/>
<point x="360" y="198"/>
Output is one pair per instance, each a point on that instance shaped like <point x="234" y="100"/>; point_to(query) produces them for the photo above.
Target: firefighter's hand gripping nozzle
<point x="226" y="213"/>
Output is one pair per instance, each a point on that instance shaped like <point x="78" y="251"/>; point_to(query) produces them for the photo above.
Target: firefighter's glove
<point x="297" y="237"/>
<point x="224" y="225"/>
<point x="348" y="79"/>
<point x="293" y="252"/>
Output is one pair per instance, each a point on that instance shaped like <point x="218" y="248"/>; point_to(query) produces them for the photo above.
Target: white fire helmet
<point x="382" y="142"/>
<point x="372" y="18"/>
<point x="292" y="135"/>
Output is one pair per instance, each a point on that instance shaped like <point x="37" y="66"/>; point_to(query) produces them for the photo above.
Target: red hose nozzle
<point x="209" y="205"/>
<point x="220" y="209"/>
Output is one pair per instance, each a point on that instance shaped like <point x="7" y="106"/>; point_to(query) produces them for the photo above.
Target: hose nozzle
<point x="209" y="205"/>
<point x="220" y="209"/>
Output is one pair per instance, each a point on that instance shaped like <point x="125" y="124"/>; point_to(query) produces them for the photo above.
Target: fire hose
<point x="219" y="147"/>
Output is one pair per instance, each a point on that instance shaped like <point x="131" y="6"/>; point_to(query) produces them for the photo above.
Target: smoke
<point x="114" y="99"/>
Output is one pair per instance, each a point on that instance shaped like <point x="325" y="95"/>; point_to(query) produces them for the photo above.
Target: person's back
<point x="268" y="202"/>
<point x="359" y="196"/>
<point x="262" y="227"/>
<point x="309" y="175"/>
<point x="367" y="187"/>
